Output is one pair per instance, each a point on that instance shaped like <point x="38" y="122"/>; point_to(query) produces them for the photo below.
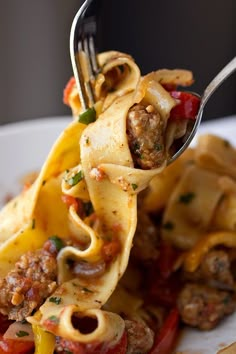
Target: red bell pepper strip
<point x="165" y="340"/>
<point x="188" y="105"/>
<point x="167" y="259"/>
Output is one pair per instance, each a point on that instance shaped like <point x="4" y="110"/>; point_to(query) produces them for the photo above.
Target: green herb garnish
<point x="186" y="198"/>
<point x="88" y="116"/>
<point x="54" y="319"/>
<point x="134" y="186"/>
<point x="76" y="178"/>
<point x="55" y="299"/>
<point x="57" y="242"/>
<point x="22" y="334"/>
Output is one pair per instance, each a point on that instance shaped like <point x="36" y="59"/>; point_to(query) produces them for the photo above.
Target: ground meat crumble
<point x="203" y="307"/>
<point x="145" y="136"/>
<point x="25" y="287"/>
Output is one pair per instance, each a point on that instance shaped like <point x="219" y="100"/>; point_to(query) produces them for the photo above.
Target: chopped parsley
<point x="76" y="178"/>
<point x="87" y="116"/>
<point x="57" y="242"/>
<point x="168" y="225"/>
<point x="186" y="198"/>
<point x="134" y="186"/>
<point x="55" y="299"/>
<point x="53" y="319"/>
<point x="22" y="334"/>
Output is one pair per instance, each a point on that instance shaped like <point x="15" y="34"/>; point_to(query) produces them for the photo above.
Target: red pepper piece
<point x="165" y="340"/>
<point x="188" y="105"/>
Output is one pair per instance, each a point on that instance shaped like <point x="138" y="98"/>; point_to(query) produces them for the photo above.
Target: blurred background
<point x="34" y="41"/>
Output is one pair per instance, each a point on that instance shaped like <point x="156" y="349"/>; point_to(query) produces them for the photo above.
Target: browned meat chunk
<point x="140" y="337"/>
<point x="145" y="136"/>
<point x="31" y="281"/>
<point x="214" y="271"/>
<point x="145" y="247"/>
<point x="203" y="307"/>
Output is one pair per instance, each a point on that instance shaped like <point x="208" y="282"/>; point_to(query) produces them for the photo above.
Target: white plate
<point x="24" y="147"/>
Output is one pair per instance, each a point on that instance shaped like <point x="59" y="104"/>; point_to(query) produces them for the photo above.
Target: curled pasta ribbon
<point x="127" y="178"/>
<point x="125" y="72"/>
<point x="119" y="75"/>
<point x="78" y="190"/>
<point x="109" y="326"/>
<point x="89" y="254"/>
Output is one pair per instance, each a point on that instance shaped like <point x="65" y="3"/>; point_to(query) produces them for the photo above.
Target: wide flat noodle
<point x="162" y="185"/>
<point x="104" y="147"/>
<point x="217" y="154"/>
<point x="191" y="206"/>
<point x="32" y="215"/>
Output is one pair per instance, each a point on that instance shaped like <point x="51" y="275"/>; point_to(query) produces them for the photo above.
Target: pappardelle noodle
<point x="110" y="249"/>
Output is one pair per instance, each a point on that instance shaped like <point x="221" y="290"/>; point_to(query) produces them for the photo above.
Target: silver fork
<point x="83" y="52"/>
<point x="218" y="80"/>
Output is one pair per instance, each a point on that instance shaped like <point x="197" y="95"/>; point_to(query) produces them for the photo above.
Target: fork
<point x="82" y="50"/>
<point x="218" y="80"/>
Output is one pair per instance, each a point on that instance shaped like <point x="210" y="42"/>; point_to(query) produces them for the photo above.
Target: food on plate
<point x="109" y="250"/>
<point x="231" y="349"/>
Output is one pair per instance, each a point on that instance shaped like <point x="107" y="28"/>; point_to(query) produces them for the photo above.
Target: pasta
<point x="89" y="249"/>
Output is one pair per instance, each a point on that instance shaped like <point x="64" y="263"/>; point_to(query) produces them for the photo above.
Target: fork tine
<point x="93" y="56"/>
<point x="82" y="50"/>
<point x="88" y="55"/>
<point x="87" y="72"/>
<point x="80" y="83"/>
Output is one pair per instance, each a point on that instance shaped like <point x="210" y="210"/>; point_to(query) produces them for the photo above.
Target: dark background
<point x="34" y="43"/>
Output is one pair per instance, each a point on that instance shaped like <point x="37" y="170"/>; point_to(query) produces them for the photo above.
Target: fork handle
<point x="217" y="81"/>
